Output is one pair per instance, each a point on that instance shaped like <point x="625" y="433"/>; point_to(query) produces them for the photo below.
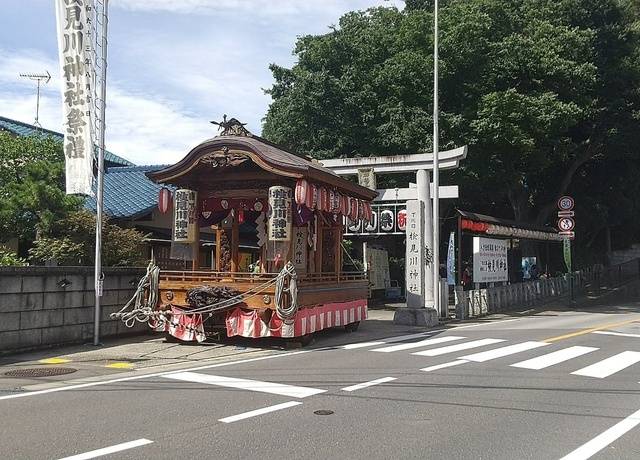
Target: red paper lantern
<point x="164" y="200"/>
<point x="353" y="209"/>
<point x="402" y="220"/>
<point x="323" y="200"/>
<point x="302" y="186"/>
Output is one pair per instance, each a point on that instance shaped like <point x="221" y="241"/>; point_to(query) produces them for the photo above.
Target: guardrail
<point x="592" y="281"/>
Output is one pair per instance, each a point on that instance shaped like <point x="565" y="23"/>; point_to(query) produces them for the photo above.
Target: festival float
<point x="293" y="283"/>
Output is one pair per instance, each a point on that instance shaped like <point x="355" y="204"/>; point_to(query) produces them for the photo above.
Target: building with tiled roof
<point x="20" y="128"/>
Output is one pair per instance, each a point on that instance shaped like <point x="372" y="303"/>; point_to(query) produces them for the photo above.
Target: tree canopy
<point x="32" y="193"/>
<point x="544" y="92"/>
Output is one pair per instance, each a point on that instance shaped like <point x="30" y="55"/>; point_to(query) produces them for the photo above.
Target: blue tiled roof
<point x="25" y="129"/>
<point x="128" y="193"/>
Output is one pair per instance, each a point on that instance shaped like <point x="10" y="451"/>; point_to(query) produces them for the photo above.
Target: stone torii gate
<point x="419" y="287"/>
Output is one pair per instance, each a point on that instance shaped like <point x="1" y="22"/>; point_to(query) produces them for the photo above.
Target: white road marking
<point x="604" y="439"/>
<point x="420" y="343"/>
<point x="556" y="357"/>
<point x="155" y="374"/>
<point x="490" y="323"/>
<point x="282" y="389"/>
<point x="109" y="450"/>
<point x="619" y="334"/>
<point x="457" y="347"/>
<point x="504" y="351"/>
<point x="369" y="384"/>
<point x="610" y="366"/>
<point x="254" y="413"/>
<point x="442" y="366"/>
<point x="353" y="346"/>
<point x="398" y="338"/>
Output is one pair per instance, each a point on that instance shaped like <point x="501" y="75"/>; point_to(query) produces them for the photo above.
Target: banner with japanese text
<point x="75" y="51"/>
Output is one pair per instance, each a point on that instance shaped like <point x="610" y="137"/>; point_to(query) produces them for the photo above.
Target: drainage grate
<point x="323" y="412"/>
<point x="40" y="372"/>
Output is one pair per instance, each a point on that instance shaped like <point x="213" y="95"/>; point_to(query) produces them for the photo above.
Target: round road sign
<point x="566" y="224"/>
<point x="566" y="203"/>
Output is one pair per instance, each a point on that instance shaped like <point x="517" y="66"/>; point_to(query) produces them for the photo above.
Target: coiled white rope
<point x="287" y="313"/>
<point x="145" y="312"/>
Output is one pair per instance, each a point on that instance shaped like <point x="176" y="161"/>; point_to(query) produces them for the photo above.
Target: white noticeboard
<point x="490" y="260"/>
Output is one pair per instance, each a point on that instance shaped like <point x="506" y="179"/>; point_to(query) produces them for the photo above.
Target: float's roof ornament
<point x="232" y="127"/>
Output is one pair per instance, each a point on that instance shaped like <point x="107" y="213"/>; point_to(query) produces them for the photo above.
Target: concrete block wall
<point x="47" y="306"/>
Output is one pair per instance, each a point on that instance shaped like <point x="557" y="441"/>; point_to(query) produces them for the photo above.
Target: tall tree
<point x="32" y="193"/>
<point x="539" y="89"/>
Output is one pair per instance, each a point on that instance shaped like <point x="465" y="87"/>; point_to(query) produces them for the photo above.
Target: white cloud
<point x="254" y="7"/>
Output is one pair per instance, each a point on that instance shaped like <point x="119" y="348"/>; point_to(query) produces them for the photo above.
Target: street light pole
<point x="98" y="276"/>
<point x="436" y="173"/>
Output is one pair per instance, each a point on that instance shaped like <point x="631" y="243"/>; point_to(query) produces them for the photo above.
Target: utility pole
<point x="436" y="172"/>
<point x="39" y="78"/>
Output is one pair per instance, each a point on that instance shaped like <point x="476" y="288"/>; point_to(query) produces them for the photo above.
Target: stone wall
<point x="47" y="306"/>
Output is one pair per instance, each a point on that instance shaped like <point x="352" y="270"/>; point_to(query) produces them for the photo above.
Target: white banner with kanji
<point x="75" y="50"/>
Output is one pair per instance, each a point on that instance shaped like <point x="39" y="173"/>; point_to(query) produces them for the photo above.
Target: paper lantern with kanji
<point x="302" y="187"/>
<point x="402" y="220"/>
<point x="164" y="200"/>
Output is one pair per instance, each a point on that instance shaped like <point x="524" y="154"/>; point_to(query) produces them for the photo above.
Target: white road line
<point x="458" y="347"/>
<point x="619" y="334"/>
<point x="551" y="359"/>
<point x="254" y="413"/>
<point x="604" y="439"/>
<point x="504" y="351"/>
<point x="398" y="338"/>
<point x="282" y="389"/>
<point x="371" y="383"/>
<point x="353" y="346"/>
<point x="442" y="366"/>
<point x="109" y="450"/>
<point x="490" y="323"/>
<point x="420" y="343"/>
<point x="155" y="374"/>
<point x="610" y="366"/>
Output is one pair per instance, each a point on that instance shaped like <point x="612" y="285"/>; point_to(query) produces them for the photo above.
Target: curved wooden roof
<point x="265" y="155"/>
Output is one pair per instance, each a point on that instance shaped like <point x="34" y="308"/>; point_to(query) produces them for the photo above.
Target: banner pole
<point x="436" y="171"/>
<point x="98" y="275"/>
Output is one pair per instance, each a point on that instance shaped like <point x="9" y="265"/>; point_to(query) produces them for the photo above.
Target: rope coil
<point x="145" y="312"/>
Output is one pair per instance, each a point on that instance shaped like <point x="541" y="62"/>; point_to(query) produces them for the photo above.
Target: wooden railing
<point x="212" y="276"/>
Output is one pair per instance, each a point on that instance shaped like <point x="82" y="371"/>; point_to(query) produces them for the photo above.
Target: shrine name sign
<point x="490" y="260"/>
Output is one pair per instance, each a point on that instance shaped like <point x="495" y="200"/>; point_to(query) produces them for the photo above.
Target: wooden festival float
<point x="296" y="211"/>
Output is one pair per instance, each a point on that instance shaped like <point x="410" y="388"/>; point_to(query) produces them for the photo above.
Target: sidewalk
<point x="152" y="353"/>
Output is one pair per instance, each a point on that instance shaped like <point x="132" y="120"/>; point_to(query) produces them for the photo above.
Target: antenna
<point x="38" y="77"/>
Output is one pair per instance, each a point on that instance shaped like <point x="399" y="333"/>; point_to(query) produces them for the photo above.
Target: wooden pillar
<point x="235" y="243"/>
<point x="195" y="247"/>
<point x="318" y="254"/>
<point x="218" y="266"/>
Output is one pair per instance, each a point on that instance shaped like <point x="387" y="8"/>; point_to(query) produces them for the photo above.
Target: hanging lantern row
<point x="502" y="230"/>
<point x="332" y="201"/>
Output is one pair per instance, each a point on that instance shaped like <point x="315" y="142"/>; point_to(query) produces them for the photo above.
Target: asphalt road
<point x="553" y="385"/>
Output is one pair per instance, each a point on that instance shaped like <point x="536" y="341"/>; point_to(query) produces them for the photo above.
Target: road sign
<point x="566" y="203"/>
<point x="566" y="224"/>
<point x="566" y="213"/>
<point x="568" y="234"/>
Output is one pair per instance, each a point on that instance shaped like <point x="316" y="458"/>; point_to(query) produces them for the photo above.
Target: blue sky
<point x="174" y="65"/>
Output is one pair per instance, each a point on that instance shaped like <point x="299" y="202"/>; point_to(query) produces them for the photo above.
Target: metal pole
<point x="436" y="172"/>
<point x="98" y="275"/>
<point x="37" y="123"/>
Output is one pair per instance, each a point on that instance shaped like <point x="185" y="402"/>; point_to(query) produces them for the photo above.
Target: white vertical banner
<point x="75" y="45"/>
<point x="451" y="260"/>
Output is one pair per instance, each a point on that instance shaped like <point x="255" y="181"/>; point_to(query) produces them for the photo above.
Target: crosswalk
<point x="440" y="346"/>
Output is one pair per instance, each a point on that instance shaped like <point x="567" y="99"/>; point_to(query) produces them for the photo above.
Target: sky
<point x="173" y="65"/>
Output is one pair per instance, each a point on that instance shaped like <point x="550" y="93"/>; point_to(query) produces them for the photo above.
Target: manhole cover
<point x="323" y="412"/>
<point x="40" y="372"/>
